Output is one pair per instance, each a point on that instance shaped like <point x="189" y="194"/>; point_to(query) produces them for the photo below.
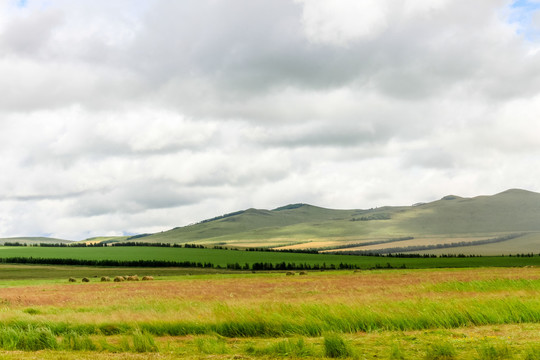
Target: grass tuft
<point x="441" y="351"/>
<point x="491" y="351"/>
<point x="292" y="347"/>
<point x="27" y="339"/>
<point x="336" y="347"/>
<point x="76" y="342"/>
<point x="211" y="345"/>
<point x="296" y="348"/>
<point x="143" y="342"/>
<point x="32" y="311"/>
<point x="396" y="352"/>
<point x="532" y="353"/>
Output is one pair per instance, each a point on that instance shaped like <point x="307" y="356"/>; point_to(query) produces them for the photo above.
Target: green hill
<point x="452" y="220"/>
<point x="33" y="240"/>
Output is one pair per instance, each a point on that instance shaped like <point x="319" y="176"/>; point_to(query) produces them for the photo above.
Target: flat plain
<point x="222" y="258"/>
<point x="390" y="314"/>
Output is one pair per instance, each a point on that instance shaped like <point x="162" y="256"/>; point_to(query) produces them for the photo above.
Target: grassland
<point x="222" y="258"/>
<point x="449" y="220"/>
<point x="390" y="314"/>
<point x="33" y="240"/>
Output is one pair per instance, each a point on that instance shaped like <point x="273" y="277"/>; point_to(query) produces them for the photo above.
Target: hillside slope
<point x="451" y="220"/>
<point x="33" y="240"/>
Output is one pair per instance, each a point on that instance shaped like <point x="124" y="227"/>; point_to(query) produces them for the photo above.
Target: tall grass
<point x="77" y="342"/>
<point x="488" y="285"/>
<point x="282" y="320"/>
<point x="139" y="342"/>
<point x="211" y="345"/>
<point x="27" y="339"/>
<point x="143" y="342"/>
<point x="336" y="347"/>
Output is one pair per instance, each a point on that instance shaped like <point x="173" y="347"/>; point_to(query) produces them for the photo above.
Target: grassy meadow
<point x="222" y="304"/>
<point x="222" y="258"/>
<point x="450" y="219"/>
<point x="474" y="313"/>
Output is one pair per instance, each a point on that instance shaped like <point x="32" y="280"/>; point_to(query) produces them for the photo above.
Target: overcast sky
<point x="132" y="116"/>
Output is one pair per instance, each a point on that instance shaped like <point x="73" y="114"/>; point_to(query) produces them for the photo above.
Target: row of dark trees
<point x="430" y="247"/>
<point x="376" y="242"/>
<point x="182" y="264"/>
<point x="102" y="244"/>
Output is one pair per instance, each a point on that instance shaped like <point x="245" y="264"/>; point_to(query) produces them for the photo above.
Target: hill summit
<point x="504" y="223"/>
<point x="471" y="223"/>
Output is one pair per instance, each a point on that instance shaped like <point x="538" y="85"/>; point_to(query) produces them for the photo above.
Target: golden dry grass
<point x="326" y="287"/>
<point x="208" y="299"/>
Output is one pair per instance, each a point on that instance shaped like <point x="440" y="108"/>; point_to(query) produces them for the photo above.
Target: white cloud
<point x="342" y="21"/>
<point x="136" y="116"/>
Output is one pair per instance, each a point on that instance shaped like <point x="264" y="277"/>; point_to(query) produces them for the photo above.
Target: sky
<point x="136" y="116"/>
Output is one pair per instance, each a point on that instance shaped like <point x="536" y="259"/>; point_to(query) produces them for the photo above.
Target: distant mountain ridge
<point x="512" y="217"/>
<point x="450" y="220"/>
<point x="33" y="240"/>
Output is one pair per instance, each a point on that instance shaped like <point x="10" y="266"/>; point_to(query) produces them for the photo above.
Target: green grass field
<point x="482" y="313"/>
<point x="224" y="257"/>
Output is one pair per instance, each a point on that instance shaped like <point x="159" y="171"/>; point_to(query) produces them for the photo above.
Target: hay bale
<point x="71" y="279"/>
<point x="148" y="278"/>
<point x="85" y="279"/>
<point x="289" y="273"/>
<point x="119" y="279"/>
<point x="105" y="279"/>
<point x="303" y="273"/>
<point x="133" y="278"/>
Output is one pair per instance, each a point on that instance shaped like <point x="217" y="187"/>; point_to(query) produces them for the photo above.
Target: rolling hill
<point x="505" y="223"/>
<point x="33" y="240"/>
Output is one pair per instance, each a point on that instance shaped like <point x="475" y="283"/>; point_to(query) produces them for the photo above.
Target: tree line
<point x="181" y="264"/>
<point x="429" y="247"/>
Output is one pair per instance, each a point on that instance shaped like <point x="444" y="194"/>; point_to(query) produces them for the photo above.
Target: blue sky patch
<point x="522" y="12"/>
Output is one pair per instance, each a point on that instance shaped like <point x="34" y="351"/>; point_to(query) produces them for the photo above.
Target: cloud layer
<point x="138" y="116"/>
